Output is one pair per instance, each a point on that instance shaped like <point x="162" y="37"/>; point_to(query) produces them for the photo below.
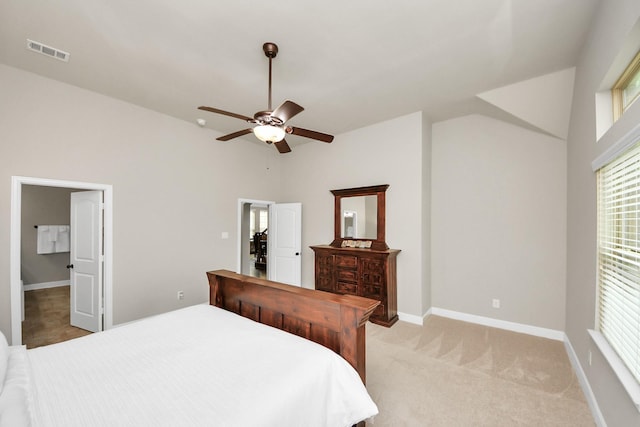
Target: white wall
<point x="612" y="24"/>
<point x="384" y="153"/>
<point x="175" y="188"/>
<point x="498" y="221"/>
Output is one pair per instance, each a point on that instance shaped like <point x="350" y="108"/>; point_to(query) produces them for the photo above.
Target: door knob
<point x="70" y="266"/>
<point x="297" y="253"/>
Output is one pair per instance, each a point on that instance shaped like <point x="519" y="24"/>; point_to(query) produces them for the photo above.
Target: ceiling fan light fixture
<point x="269" y="133"/>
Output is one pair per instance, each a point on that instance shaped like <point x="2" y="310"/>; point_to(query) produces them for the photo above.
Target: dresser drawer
<point x="346" y="288"/>
<point x="347" y="275"/>
<point x="325" y="261"/>
<point x="324" y="284"/>
<point x="346" y="261"/>
<point x="370" y="291"/>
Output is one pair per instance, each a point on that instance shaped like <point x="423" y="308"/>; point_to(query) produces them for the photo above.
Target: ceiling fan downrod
<point x="270" y="50"/>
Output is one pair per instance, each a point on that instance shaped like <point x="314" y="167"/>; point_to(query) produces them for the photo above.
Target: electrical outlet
<point x="496" y="303"/>
<point x="180" y="295"/>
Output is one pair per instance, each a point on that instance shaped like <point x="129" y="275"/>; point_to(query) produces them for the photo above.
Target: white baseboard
<point x="412" y="318"/>
<point x="500" y="324"/>
<point x="45" y="285"/>
<point x="584" y="384"/>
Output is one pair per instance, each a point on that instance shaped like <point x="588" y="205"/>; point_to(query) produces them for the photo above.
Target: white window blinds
<point x="619" y="257"/>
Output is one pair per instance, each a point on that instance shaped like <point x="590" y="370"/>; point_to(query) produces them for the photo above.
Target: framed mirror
<point x="359" y="217"/>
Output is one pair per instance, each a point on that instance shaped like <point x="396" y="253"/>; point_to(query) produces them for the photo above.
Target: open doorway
<point x="45" y="266"/>
<point x="253" y="232"/>
<point x="17" y="289"/>
<point x="282" y="243"/>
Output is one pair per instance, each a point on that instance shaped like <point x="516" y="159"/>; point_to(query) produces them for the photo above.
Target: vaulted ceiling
<point x="349" y="63"/>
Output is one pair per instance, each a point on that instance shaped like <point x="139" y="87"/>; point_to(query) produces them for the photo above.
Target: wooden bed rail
<point x="335" y="321"/>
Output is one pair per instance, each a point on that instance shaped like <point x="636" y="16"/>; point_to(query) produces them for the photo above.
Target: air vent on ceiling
<point x="47" y="50"/>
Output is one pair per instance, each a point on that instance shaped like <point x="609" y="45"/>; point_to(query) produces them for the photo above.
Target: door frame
<point x="15" y="260"/>
<point x="241" y="203"/>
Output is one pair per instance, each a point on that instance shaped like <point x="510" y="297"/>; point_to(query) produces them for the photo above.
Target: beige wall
<point x="172" y="196"/>
<point x="498" y="221"/>
<point x="176" y="172"/>
<point x="384" y="153"/>
<point x="607" y="37"/>
<point x="43" y="205"/>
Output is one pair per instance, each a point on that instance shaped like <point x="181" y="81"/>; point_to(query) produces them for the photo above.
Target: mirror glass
<point x="359" y="217"/>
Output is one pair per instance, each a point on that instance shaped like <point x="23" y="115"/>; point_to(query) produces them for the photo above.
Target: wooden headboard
<point x="335" y="321"/>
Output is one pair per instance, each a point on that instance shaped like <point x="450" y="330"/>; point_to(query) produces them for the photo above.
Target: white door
<point x="285" y="230"/>
<point x="86" y="260"/>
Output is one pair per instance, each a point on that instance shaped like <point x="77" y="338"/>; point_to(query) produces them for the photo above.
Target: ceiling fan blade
<point x="234" y="135"/>
<point x="226" y="113"/>
<point x="287" y="110"/>
<point x="309" y="134"/>
<point x="282" y="146"/>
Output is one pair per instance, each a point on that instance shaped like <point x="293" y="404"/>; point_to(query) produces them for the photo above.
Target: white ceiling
<point x="350" y="63"/>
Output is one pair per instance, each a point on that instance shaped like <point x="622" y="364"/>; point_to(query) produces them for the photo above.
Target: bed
<point x="225" y="363"/>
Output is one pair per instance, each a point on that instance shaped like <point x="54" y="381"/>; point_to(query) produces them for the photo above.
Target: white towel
<point x="62" y="244"/>
<point x="45" y="245"/>
<point x="53" y="233"/>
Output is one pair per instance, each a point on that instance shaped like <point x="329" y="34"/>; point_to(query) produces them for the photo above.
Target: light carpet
<point x="453" y="373"/>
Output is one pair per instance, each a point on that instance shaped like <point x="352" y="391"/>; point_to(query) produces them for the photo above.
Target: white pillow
<point x="14" y="409"/>
<point x="15" y="399"/>
<point x="4" y="358"/>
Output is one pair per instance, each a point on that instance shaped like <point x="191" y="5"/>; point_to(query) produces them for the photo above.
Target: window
<point x="258" y="220"/>
<point x="627" y="88"/>
<point x="619" y="257"/>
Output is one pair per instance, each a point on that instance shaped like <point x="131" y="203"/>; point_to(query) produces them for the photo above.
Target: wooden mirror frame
<point x="377" y="190"/>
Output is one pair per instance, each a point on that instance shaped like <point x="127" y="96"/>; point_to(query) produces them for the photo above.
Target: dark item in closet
<point x="260" y="245"/>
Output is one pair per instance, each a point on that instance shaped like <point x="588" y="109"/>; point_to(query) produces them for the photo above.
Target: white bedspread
<point x="194" y="367"/>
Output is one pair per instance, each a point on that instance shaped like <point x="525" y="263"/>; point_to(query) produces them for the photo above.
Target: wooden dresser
<point x="368" y="273"/>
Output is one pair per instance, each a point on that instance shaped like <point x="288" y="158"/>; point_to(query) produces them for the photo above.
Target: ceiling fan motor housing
<point x="266" y="118"/>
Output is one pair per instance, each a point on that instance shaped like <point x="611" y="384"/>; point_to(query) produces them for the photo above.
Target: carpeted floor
<point x="46" y="319"/>
<point x="453" y="373"/>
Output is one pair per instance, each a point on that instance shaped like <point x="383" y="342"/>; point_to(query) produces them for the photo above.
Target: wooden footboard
<point x="335" y="321"/>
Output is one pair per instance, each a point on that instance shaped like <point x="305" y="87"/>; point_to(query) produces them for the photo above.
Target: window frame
<point x="630" y="382"/>
<point x="617" y="96"/>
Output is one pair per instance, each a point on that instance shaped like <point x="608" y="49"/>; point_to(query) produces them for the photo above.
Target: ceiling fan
<point x="271" y="124"/>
